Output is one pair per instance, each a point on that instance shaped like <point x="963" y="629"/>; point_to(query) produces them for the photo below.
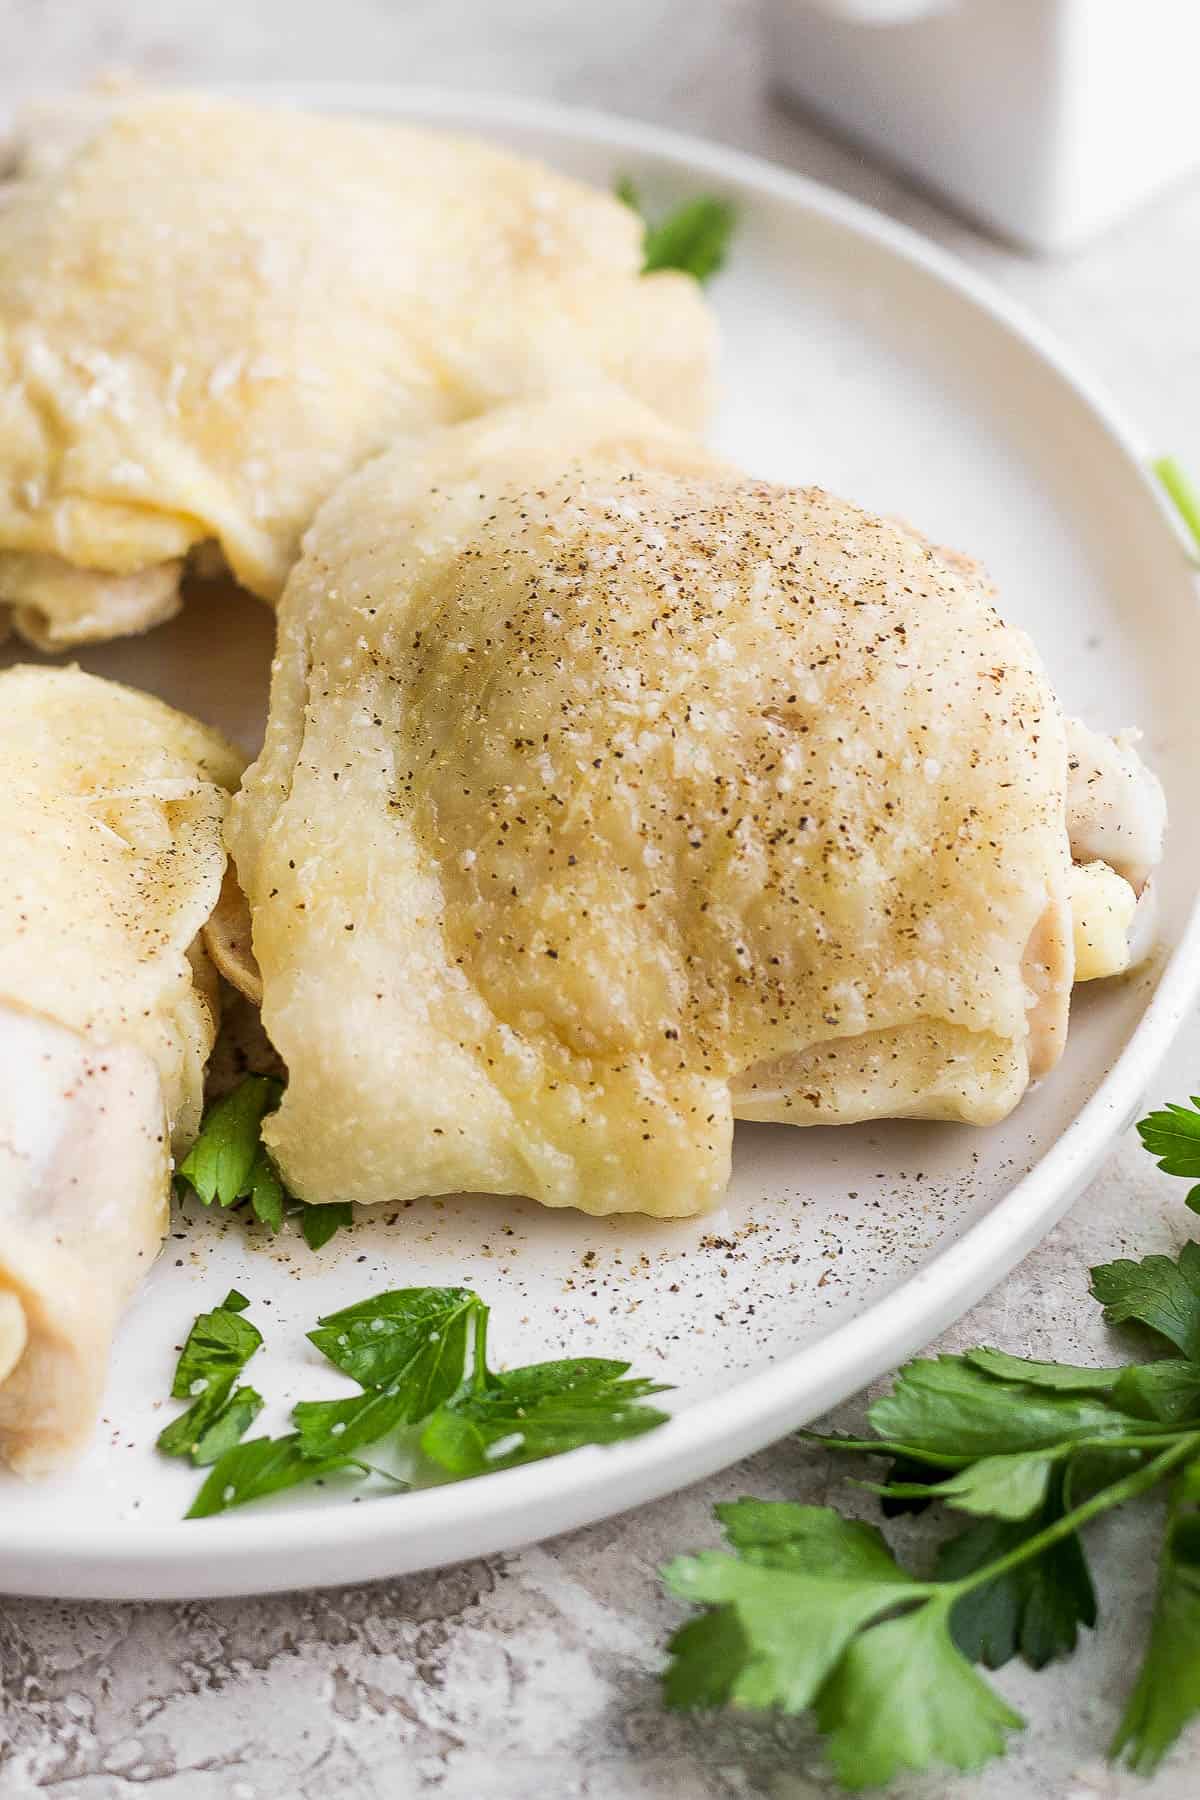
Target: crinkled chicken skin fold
<point x="608" y="794"/>
<point x="112" y="806"/>
<point x="111" y="814"/>
<point x="211" y="312"/>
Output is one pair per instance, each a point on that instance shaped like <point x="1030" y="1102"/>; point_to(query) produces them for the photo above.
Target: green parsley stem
<point x="1140" y="1482"/>
<point x="479" y="1379"/>
<point x="1183" y="495"/>
<point x="889" y="1447"/>
<point x="1152" y="1436"/>
<point x="397" y="1481"/>
<point x="1149" y="1440"/>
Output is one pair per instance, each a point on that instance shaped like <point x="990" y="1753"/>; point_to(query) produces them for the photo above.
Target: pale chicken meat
<point x="609" y="795"/>
<point x="1116" y="812"/>
<point x="1116" y="821"/>
<point x="211" y="312"/>
<point x="84" y="1192"/>
<point x="111" y="814"/>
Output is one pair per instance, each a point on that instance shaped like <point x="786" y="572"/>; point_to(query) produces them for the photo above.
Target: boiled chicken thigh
<point x="608" y="795"/>
<point x="111" y="810"/>
<point x="84" y="1194"/>
<point x="211" y="312"/>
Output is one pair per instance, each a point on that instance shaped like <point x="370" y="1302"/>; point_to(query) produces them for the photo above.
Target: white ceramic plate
<point x="857" y="356"/>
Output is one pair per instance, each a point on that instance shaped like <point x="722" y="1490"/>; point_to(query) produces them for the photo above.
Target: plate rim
<point x="262" y="1550"/>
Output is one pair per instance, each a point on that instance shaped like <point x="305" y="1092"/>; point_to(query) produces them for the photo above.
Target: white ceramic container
<point x="1046" y="120"/>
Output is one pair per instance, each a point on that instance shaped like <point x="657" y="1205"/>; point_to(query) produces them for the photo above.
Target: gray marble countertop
<point x="536" y="1674"/>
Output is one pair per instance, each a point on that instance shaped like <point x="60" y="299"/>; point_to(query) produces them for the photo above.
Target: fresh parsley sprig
<point x="1167" y="1693"/>
<point x="695" y="237"/>
<point x="874" y="1656"/>
<point x="419" y="1357"/>
<point x="218" y="1347"/>
<point x="542" y="1410"/>
<point x="261" y="1467"/>
<point x="1173" y="1135"/>
<point x="808" y="1609"/>
<point x="229" y="1164"/>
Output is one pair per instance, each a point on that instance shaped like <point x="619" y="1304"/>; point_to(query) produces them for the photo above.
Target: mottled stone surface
<point x="535" y="1674"/>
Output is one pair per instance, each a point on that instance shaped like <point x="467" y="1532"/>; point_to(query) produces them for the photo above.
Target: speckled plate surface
<point x="857" y="356"/>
